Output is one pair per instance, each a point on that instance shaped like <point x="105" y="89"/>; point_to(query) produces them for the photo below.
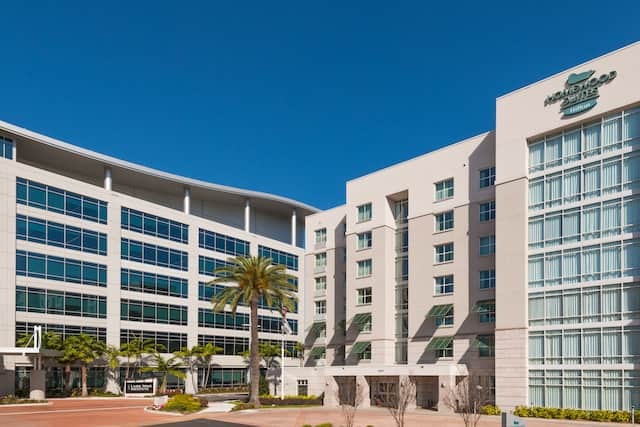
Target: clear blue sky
<point x="292" y="98"/>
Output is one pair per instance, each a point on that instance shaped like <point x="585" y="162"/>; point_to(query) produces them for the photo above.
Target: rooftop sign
<point x="580" y="93"/>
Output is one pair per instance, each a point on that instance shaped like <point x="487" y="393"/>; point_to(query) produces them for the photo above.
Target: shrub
<point x="242" y="406"/>
<point x="184" y="403"/>
<point x="263" y="385"/>
<point x="574" y="414"/>
<point x="324" y="425"/>
<point x="290" y="400"/>
<point x="490" y="410"/>
<point x="307" y="425"/>
<point x="13" y="400"/>
<point x="102" y="393"/>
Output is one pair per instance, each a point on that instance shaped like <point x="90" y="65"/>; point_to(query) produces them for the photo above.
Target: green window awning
<point x="440" y="310"/>
<point x="485" y="341"/>
<point x="316" y="352"/>
<point x="439" y="343"/>
<point x="486" y="306"/>
<point x="316" y="327"/>
<point x="361" y="319"/>
<point x="360" y="347"/>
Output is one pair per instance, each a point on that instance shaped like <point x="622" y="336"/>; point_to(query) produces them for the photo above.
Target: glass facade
<point x="207" y="318"/>
<point x="151" y="283"/>
<point x="53" y="199"/>
<point x="64" y="236"/>
<point x="279" y="257"/>
<point x="148" y="253"/>
<point x="153" y="225"/>
<point x="65" y="331"/>
<point x="207" y="265"/>
<point x="36" y="300"/>
<point x="6" y="148"/>
<point x="153" y="312"/>
<point x="583" y="259"/>
<point x="166" y="341"/>
<point x="207" y="291"/>
<point x="222" y="243"/>
<point x="50" y="267"/>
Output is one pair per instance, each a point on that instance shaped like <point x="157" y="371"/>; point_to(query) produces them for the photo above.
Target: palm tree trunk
<point x="67" y="376"/>
<point x="254" y="355"/>
<point x="163" y="386"/>
<point x="83" y="369"/>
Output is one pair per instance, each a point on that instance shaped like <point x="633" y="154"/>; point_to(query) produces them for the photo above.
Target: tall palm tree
<point x="85" y="349"/>
<point x="165" y="367"/>
<point x="207" y="352"/>
<point x="256" y="279"/>
<point x="135" y="349"/>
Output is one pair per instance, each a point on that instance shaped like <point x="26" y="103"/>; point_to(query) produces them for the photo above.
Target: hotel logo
<point x="580" y="92"/>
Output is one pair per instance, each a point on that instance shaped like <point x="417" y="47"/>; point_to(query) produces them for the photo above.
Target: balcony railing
<point x="320" y="269"/>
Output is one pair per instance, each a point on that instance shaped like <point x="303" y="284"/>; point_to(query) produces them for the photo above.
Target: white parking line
<point x="58" y="411"/>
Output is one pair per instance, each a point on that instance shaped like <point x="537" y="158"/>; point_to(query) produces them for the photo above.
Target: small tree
<point x="164" y="367"/>
<point x="349" y="396"/>
<point x="207" y="352"/>
<point x="466" y="398"/>
<point x="112" y="355"/>
<point x="84" y="349"/>
<point x="298" y="350"/>
<point x="50" y="340"/>
<point x="135" y="349"/>
<point x="190" y="358"/>
<point x="269" y="353"/>
<point x="398" y="402"/>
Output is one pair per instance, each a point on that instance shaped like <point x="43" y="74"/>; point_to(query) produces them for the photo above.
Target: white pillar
<point x="187" y="201"/>
<point x="37" y="384"/>
<point x="107" y="178"/>
<point x="14" y="151"/>
<point x="294" y="223"/>
<point x="247" y="215"/>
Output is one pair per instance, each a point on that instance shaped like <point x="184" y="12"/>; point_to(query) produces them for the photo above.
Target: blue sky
<point x="293" y="98"/>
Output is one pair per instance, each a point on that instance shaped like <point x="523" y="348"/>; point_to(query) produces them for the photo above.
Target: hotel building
<point x="93" y="244"/>
<point x="512" y="257"/>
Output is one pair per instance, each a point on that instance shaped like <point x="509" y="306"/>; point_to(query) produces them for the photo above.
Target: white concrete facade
<point x="257" y="219"/>
<point x="587" y="362"/>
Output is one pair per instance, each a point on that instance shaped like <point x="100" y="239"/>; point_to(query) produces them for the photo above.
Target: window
<point x="48" y="301"/>
<point x="487" y="177"/>
<point x="69" y="270"/>
<point x="444" y="221"/>
<point x="402" y="297"/>
<point x="444" y="189"/>
<point x="61" y="235"/>
<point x="303" y="387"/>
<point x="52" y="199"/>
<point x="321" y="262"/>
<point x="230" y="345"/>
<point x="6" y="148"/>
<point x="444" y="253"/>
<point x="486" y="311"/>
<point x="148" y="253"/>
<point x="364" y="296"/>
<point x="364" y="268"/>
<point x="147" y="311"/>
<point x="65" y="331"/>
<point x="208" y="291"/>
<point x="486" y="345"/>
<point x="321" y="236"/>
<point x="151" y="283"/>
<point x="401" y="211"/>
<point x="208" y="266"/>
<point x="362" y="350"/>
<point x="445" y="319"/>
<point x="487" y="245"/>
<point x="402" y="325"/>
<point x="402" y="268"/>
<point x="320" y="308"/>
<point x="152" y="225"/>
<point x="402" y="240"/>
<point x="321" y="285"/>
<point x="279" y="257"/>
<point x="207" y="318"/>
<point x="488" y="211"/>
<point x="167" y="341"/>
<point x="364" y="212"/>
<point x="364" y="240"/>
<point x="222" y="243"/>
<point x="444" y="284"/>
<point x="487" y="279"/>
<point x="365" y="324"/>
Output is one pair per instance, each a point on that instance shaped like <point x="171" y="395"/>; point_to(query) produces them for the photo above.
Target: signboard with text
<point x="581" y="92"/>
<point x="139" y="388"/>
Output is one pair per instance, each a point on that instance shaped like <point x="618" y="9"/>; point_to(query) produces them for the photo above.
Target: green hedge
<point x="490" y="410"/>
<point x="574" y="414"/>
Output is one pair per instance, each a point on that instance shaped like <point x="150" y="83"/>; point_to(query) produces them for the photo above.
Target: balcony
<point x="320" y="292"/>
<point x="320" y="269"/>
<point x="318" y="317"/>
<point x="320" y="245"/>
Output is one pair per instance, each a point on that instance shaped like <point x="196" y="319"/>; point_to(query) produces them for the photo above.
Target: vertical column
<point x="410" y="382"/>
<point x="363" y="385"/>
<point x="186" y="205"/>
<point x="446" y="386"/>
<point x="247" y="215"/>
<point x="331" y="393"/>
<point x="294" y="223"/>
<point x="107" y="178"/>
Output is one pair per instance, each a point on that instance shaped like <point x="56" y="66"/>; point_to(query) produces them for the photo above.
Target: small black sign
<point x="139" y="388"/>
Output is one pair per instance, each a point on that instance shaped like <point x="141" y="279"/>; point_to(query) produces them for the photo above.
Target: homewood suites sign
<point x="580" y="92"/>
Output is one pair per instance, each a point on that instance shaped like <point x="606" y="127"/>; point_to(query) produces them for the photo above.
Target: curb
<point x="20" y="405"/>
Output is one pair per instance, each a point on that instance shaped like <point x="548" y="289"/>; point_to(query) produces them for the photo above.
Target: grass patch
<point x="12" y="400"/>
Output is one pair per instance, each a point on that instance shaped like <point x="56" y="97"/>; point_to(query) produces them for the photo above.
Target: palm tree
<point x="165" y="367"/>
<point x="135" y="349"/>
<point x="207" y="352"/>
<point x="298" y="350"/>
<point x="256" y="279"/>
<point x="85" y="349"/>
<point x="50" y="340"/>
<point x="269" y="353"/>
<point x="190" y="357"/>
<point x="112" y="354"/>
